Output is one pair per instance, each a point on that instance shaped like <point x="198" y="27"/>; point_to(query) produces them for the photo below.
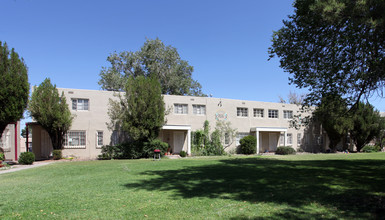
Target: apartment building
<point x="269" y="122"/>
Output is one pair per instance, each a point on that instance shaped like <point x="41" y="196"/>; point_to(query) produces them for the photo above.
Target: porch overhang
<point x="181" y="128"/>
<point x="268" y="129"/>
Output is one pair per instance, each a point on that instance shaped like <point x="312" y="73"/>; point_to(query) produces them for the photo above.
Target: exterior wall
<point x="226" y="109"/>
<point x="91" y="121"/>
<point x="10" y="142"/>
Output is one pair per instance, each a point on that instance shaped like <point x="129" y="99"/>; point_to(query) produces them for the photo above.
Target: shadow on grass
<point x="350" y="188"/>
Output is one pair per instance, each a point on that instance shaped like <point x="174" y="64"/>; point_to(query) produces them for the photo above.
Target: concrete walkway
<point x="15" y="168"/>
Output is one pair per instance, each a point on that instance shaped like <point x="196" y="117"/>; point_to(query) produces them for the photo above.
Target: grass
<point x="333" y="186"/>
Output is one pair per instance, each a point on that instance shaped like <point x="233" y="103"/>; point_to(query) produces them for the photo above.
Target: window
<point x="287" y="114"/>
<point x="227" y="138"/>
<point x="289" y="139"/>
<point x="242" y="112"/>
<point x="199" y="109"/>
<point x="100" y="138"/>
<point x="180" y="109"/>
<point x="273" y="113"/>
<point x="5" y="140"/>
<point x="80" y="104"/>
<point x="282" y="140"/>
<point x="75" y="139"/>
<point x="241" y="135"/>
<point x="299" y="139"/>
<point x="258" y="113"/>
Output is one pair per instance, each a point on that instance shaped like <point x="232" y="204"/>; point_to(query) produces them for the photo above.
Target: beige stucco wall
<point x="9" y="142"/>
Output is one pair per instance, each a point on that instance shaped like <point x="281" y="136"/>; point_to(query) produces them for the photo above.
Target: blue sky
<point x="225" y="41"/>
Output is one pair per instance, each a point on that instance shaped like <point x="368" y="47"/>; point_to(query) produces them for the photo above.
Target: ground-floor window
<point x="241" y="135"/>
<point x="282" y="139"/>
<point x="289" y="139"/>
<point x="75" y="139"/>
<point x="299" y="139"/>
<point x="99" y="139"/>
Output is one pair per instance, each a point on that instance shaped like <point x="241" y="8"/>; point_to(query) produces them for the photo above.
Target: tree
<point x="334" y="47"/>
<point x="14" y="87"/>
<point x="51" y="111"/>
<point x="140" y="110"/>
<point x="367" y="124"/>
<point x="293" y="98"/>
<point x="156" y="60"/>
<point x="226" y="133"/>
<point x="333" y="115"/>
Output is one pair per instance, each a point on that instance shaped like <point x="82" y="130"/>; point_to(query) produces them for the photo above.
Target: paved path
<point x="15" y="168"/>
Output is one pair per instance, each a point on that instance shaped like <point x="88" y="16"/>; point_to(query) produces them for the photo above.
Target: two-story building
<point x="269" y="122"/>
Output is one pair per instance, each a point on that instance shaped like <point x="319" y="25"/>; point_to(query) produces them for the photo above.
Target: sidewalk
<point x="15" y="168"/>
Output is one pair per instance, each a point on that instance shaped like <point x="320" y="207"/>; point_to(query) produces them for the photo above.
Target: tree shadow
<point x="353" y="188"/>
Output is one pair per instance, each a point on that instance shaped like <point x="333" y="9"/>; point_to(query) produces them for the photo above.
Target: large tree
<point x="51" y="111"/>
<point x="334" y="47"/>
<point x="140" y="110"/>
<point x="14" y="87"/>
<point x="367" y="125"/>
<point x="155" y="60"/>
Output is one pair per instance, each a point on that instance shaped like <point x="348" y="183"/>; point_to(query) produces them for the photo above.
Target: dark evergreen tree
<point x="14" y="87"/>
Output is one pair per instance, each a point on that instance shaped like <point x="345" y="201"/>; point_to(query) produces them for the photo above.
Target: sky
<point x="225" y="41"/>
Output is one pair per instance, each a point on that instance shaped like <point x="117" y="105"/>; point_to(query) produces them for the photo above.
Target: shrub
<point x="149" y="147"/>
<point x="57" y="154"/>
<point x="183" y="153"/>
<point x="300" y="150"/>
<point x="285" y="150"/>
<point x="248" y="145"/>
<point x="371" y="149"/>
<point x="2" y="157"/>
<point x="26" y="158"/>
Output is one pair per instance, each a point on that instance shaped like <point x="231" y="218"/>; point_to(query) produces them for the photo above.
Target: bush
<point x="183" y="153"/>
<point x="248" y="145"/>
<point x="57" y="154"/>
<point x="2" y="157"/>
<point x="26" y="158"/>
<point x="149" y="147"/>
<point x="285" y="150"/>
<point x="371" y="149"/>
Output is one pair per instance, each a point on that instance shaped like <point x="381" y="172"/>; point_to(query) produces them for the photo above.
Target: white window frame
<point x="240" y="135"/>
<point x="282" y="139"/>
<point x="84" y="106"/>
<point x="98" y="145"/>
<point x="82" y="143"/>
<point x="272" y="113"/>
<point x="180" y="109"/>
<point x="199" y="109"/>
<point x="287" y="114"/>
<point x="299" y="139"/>
<point x="259" y="113"/>
<point x="242" y="112"/>
<point x="289" y="137"/>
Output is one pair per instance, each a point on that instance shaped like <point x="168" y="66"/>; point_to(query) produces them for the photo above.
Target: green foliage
<point x="284" y="150"/>
<point x="334" y="47"/>
<point x="248" y="145"/>
<point x="335" y="119"/>
<point x="26" y="158"/>
<point x="2" y="156"/>
<point x="371" y="149"/>
<point x="14" y="87"/>
<point x="183" y="153"/>
<point x="367" y="124"/>
<point x="51" y="111"/>
<point x="140" y="112"/>
<point x="149" y="147"/>
<point x="153" y="60"/>
<point x="226" y="131"/>
<point x="57" y="154"/>
<point x="205" y="145"/>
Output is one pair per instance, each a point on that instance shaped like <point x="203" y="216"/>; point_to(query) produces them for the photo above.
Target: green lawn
<point x="333" y="186"/>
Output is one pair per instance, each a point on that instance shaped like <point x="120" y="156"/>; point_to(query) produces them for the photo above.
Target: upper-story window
<point x="258" y="113"/>
<point x="199" y="109"/>
<point x="287" y="114"/>
<point x="242" y="112"/>
<point x="273" y="113"/>
<point x="180" y="109"/>
<point x="80" y="104"/>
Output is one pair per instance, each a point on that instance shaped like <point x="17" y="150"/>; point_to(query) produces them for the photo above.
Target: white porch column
<point x="285" y="138"/>
<point x="189" y="142"/>
<point x="257" y="137"/>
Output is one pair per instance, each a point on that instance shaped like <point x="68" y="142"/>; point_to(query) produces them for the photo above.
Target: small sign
<point x="221" y="116"/>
